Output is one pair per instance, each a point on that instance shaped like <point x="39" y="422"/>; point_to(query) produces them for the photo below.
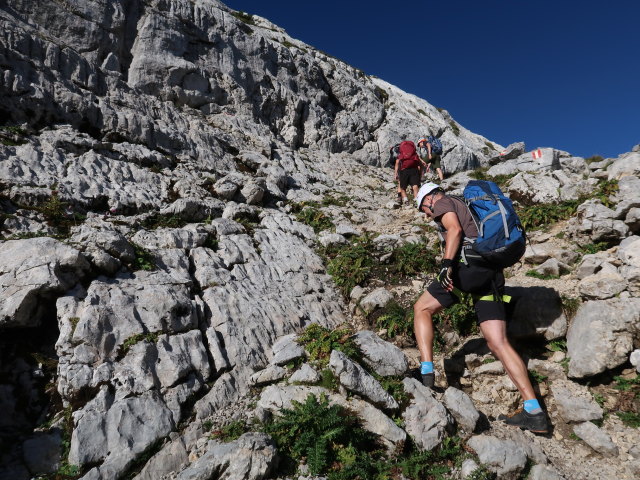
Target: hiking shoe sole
<point x="428" y="379"/>
<point x="536" y="423"/>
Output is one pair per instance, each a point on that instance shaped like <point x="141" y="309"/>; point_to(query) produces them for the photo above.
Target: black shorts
<point x="479" y="280"/>
<point x="409" y="176"/>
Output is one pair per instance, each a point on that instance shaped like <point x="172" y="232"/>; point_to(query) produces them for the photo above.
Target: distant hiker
<point x="393" y="156"/>
<point x="407" y="168"/>
<point x="430" y="151"/>
<point x="464" y="270"/>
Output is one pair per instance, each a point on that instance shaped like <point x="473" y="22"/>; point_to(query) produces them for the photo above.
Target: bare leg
<point x="423" y="312"/>
<point x="415" y="191"/>
<point x="495" y="333"/>
<point x="440" y="174"/>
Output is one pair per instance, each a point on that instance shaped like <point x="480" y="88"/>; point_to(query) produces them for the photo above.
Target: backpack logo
<point x="407" y="155"/>
<point x="501" y="237"/>
<point x="436" y="145"/>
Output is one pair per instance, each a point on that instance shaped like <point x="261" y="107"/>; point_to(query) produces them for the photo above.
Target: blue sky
<point x="563" y="73"/>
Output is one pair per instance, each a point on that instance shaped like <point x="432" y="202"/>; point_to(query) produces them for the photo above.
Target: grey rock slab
<point x="626" y="164"/>
<point x="544" y="472"/>
<point x="503" y="457"/>
<point x="379" y="298"/>
<point x="426" y="420"/>
<point x="468" y="467"/>
<point x="356" y="379"/>
<point x="596" y="438"/>
<point x="117" y="431"/>
<point x="305" y="374"/>
<point x="179" y="355"/>
<point x="170" y="238"/>
<point x="327" y="239"/>
<point x="602" y="285"/>
<point x="173" y="457"/>
<point x="388" y="242"/>
<point x="629" y="251"/>
<point x="270" y="296"/>
<point x="285" y="349"/>
<point x="275" y="398"/>
<point x="104" y="238"/>
<point x="601" y="335"/>
<point x="225" y="391"/>
<point x="383" y="357"/>
<point x="253" y="456"/>
<point x="271" y="374"/>
<point x="33" y="269"/>
<point x="574" y="402"/>
<point x="462" y="408"/>
<point x="634" y="359"/>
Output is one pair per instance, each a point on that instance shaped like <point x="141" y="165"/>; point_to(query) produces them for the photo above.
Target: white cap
<point x="425" y="190"/>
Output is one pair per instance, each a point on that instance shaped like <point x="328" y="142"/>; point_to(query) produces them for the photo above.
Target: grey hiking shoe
<point x="428" y="379"/>
<point x="535" y="422"/>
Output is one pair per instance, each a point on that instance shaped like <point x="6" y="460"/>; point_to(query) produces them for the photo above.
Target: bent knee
<point x="426" y="303"/>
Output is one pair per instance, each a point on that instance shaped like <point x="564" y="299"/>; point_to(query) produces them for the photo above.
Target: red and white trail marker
<point x="536" y="154"/>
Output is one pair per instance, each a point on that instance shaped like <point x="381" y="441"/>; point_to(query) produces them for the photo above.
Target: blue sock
<point x="532" y="406"/>
<point x="426" y="367"/>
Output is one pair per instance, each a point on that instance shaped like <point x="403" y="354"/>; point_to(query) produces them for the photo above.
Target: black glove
<point x="444" y="276"/>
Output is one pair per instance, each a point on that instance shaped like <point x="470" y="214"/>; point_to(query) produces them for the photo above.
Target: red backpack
<point x="408" y="156"/>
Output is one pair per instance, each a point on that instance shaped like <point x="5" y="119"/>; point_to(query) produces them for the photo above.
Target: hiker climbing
<point x="408" y="169"/>
<point x="393" y="157"/>
<point x="430" y="151"/>
<point x="478" y="244"/>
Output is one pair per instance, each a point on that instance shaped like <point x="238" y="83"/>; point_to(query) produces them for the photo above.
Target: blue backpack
<point x="436" y="145"/>
<point x="501" y="238"/>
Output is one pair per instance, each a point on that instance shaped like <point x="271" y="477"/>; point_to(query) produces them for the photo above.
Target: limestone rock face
<point x="601" y="336"/>
<point x="32" y="271"/>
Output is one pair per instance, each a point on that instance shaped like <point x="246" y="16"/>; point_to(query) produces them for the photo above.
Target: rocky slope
<point x="158" y="259"/>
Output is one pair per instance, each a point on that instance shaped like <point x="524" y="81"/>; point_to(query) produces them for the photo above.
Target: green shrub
<point x="320" y="341"/>
<point x="460" y="317"/>
<point x="244" y="17"/>
<point x="230" y="432"/>
<point x="538" y="377"/>
<point x="412" y="258"/>
<point x="396" y="320"/>
<point x="542" y="215"/>
<point x="559" y="345"/>
<point x="329" y="437"/>
<point x="570" y="306"/>
<point x="351" y="264"/>
<point x="591" y="248"/>
<point x="144" y="259"/>
<point x="163" y="221"/>
<point x="454" y="127"/>
<point x="605" y="189"/>
<point x="630" y="419"/>
<point x="541" y="276"/>
<point x="481" y="174"/>
<point x="137" y="338"/>
<point x="593" y="159"/>
<point x="310" y="214"/>
<point x="626" y="385"/>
